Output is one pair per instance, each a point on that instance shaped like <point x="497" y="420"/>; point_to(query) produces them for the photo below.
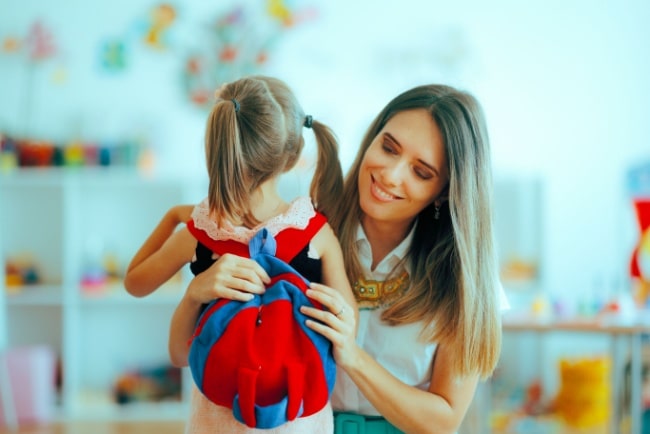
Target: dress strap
<point x="290" y="241"/>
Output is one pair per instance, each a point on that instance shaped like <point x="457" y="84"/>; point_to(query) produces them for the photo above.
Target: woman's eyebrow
<point x="393" y="139"/>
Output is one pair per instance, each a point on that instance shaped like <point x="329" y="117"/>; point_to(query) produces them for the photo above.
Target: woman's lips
<point x="380" y="193"/>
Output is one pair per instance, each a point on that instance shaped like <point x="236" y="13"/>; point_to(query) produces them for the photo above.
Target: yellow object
<point x="584" y="397"/>
<point x="74" y="154"/>
<point x="162" y="17"/>
<point x="13" y="281"/>
<point x="8" y="161"/>
<point x="279" y="10"/>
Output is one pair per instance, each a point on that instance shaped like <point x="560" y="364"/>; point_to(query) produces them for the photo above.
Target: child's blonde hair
<point x="253" y="134"/>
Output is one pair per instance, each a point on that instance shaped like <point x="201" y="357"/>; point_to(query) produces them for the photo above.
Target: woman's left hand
<point x="337" y="322"/>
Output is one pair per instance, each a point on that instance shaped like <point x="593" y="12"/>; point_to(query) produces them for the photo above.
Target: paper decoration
<point x="37" y="46"/>
<point x="11" y="44"/>
<point x="162" y="17"/>
<point x="289" y="17"/>
<point x="40" y="42"/>
<point x="237" y="43"/>
<point x="113" y="55"/>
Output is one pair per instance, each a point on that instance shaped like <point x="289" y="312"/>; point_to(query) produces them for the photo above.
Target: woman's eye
<point x="423" y="174"/>
<point x="388" y="149"/>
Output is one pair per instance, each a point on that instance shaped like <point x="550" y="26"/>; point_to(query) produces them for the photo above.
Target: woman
<point x="419" y="249"/>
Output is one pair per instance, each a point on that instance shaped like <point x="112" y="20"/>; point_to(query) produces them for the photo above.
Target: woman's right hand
<point x="337" y="322"/>
<point x="232" y="277"/>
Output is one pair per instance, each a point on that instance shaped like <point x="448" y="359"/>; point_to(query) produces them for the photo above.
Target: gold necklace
<point x="371" y="294"/>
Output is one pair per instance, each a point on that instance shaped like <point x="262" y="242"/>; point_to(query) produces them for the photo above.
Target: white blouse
<point x="399" y="349"/>
<point x="396" y="348"/>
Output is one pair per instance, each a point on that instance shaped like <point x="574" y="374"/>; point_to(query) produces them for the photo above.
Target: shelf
<point x="116" y="176"/>
<point x="64" y="221"/>
<point x="97" y="405"/>
<point x="115" y="295"/>
<point x="35" y="295"/>
<point x="582" y="325"/>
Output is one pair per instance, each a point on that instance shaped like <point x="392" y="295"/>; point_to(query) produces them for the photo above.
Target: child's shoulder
<point x="300" y="208"/>
<point x="299" y="214"/>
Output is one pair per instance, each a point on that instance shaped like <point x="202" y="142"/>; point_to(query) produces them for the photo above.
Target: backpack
<point x="258" y="357"/>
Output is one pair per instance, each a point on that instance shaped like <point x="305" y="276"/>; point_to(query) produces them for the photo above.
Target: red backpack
<point x="258" y="357"/>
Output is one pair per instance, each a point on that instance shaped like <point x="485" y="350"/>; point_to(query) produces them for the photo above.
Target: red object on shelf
<point x="642" y="209"/>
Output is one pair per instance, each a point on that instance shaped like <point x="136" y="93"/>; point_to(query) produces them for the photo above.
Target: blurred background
<point x="102" y="115"/>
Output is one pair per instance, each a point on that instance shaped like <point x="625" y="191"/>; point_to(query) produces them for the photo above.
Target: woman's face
<point x="404" y="169"/>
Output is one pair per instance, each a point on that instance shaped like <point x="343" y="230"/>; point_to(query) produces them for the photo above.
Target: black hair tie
<point x="236" y="103"/>
<point x="308" y="121"/>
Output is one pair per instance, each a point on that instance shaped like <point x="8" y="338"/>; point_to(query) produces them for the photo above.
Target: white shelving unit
<point x="65" y="219"/>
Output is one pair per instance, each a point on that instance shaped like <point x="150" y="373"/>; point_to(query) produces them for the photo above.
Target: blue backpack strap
<point x="262" y="243"/>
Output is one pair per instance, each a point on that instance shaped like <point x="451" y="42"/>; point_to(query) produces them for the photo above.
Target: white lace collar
<point x="297" y="216"/>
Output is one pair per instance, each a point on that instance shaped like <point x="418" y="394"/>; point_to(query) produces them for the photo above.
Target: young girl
<point x="254" y="134"/>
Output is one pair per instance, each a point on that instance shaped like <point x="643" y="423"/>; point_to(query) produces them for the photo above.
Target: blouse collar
<point x="391" y="260"/>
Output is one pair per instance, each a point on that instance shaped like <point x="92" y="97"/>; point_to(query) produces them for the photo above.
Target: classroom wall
<point x="564" y="86"/>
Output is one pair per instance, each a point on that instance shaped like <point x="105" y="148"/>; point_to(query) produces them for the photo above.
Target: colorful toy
<point x="533" y="405"/>
<point x="25" y="152"/>
<point x="148" y="384"/>
<point x="21" y="270"/>
<point x="584" y="398"/>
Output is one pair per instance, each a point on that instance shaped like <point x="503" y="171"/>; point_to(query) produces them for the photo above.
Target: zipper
<point x="258" y="322"/>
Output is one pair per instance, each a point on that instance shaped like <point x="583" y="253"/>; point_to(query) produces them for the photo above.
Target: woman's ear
<point x="442" y="197"/>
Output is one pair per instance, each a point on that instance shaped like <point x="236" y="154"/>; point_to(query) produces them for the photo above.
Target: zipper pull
<point x="259" y="316"/>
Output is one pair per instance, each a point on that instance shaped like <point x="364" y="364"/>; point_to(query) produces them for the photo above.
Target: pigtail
<point x="327" y="184"/>
<point x="228" y="186"/>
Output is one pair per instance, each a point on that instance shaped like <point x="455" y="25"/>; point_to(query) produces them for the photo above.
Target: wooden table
<point x="631" y="335"/>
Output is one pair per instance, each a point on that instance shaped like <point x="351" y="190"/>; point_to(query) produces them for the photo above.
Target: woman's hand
<point x="232" y="277"/>
<point x="337" y="322"/>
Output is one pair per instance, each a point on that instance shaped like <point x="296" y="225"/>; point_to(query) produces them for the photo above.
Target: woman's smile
<point x="381" y="193"/>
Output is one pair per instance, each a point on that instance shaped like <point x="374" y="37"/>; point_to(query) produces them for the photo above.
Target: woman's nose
<point x="394" y="173"/>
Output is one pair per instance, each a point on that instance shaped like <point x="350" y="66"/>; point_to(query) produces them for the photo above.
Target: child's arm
<point x="334" y="274"/>
<point x="181" y="329"/>
<point x="162" y="254"/>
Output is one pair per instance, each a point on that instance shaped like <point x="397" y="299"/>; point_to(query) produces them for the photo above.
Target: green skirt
<point x="352" y="423"/>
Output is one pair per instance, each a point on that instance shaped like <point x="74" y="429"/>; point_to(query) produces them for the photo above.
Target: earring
<point x="436" y="214"/>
